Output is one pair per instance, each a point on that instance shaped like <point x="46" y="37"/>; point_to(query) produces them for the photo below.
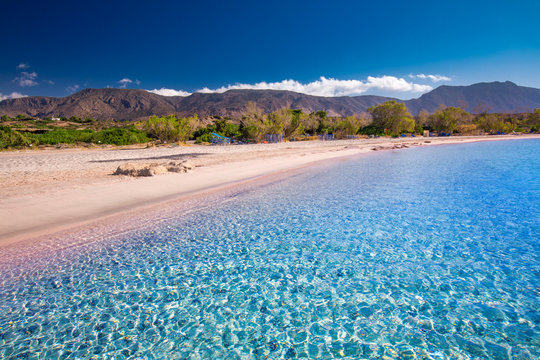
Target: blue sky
<point x="320" y="47"/>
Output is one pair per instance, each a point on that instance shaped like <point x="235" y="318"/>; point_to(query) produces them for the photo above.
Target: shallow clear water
<point x="427" y="252"/>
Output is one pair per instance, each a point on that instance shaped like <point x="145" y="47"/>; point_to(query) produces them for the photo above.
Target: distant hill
<point x="104" y="104"/>
<point x="490" y="97"/>
<point x="130" y="104"/>
<point x="233" y="102"/>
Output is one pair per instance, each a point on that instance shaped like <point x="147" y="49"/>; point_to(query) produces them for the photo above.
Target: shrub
<point x="63" y="136"/>
<point x="219" y="126"/>
<point x="467" y="129"/>
<point x="170" y="128"/>
<point x="253" y="123"/>
<point x="206" y="137"/>
<point x="10" y="138"/>
<point x="392" y="118"/>
<point x="371" y="130"/>
<point x="113" y="136"/>
<point x="447" y="119"/>
<point x="120" y="136"/>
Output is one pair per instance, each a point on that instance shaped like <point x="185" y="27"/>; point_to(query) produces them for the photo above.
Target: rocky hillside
<point x="129" y="104"/>
<point x="105" y="104"/>
<point x="490" y="97"/>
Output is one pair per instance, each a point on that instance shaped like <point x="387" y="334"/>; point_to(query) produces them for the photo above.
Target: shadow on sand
<point x="165" y="157"/>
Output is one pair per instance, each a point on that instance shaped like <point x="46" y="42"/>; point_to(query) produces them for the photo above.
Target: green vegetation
<point x="390" y="118"/>
<point x="170" y="128"/>
<point x="219" y="126"/>
<point x="113" y="136"/>
<point x="22" y="131"/>
<point x="446" y="119"/>
<point x="11" y="138"/>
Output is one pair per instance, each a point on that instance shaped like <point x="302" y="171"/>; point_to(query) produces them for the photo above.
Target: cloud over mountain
<point x="13" y="95"/>
<point x="329" y="87"/>
<point x="169" y="92"/>
<point x="137" y="104"/>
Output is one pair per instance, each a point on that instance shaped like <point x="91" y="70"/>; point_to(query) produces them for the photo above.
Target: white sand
<point x="44" y="191"/>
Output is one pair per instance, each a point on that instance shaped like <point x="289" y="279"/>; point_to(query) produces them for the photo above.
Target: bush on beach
<point x="392" y="118"/>
<point x="170" y="128"/>
<point x="11" y="138"/>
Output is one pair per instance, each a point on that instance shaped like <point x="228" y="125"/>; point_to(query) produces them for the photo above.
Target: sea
<point x="428" y="252"/>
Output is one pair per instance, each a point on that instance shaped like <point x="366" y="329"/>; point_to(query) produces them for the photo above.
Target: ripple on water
<point x="384" y="256"/>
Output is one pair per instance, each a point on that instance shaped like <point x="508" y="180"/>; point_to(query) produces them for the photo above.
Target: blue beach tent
<point x="220" y="140"/>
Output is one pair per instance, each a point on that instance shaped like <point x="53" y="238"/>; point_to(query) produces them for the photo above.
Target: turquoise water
<point x="426" y="252"/>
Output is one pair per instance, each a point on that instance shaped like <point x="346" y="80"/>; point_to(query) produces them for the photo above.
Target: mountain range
<point x="132" y="104"/>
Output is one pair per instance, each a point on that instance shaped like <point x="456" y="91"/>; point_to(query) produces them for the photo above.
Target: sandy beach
<point x="45" y="191"/>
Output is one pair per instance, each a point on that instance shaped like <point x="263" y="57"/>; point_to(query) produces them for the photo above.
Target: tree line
<point x="391" y="118"/>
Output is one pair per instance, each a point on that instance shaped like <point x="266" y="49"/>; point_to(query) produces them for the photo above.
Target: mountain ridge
<point x="137" y="104"/>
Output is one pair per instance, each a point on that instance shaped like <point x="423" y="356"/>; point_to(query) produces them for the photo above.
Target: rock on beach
<point x="131" y="169"/>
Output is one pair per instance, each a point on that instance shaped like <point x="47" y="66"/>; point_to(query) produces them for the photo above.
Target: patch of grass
<point x="120" y="136"/>
<point x="63" y="136"/>
<point x="113" y="136"/>
<point x="10" y="138"/>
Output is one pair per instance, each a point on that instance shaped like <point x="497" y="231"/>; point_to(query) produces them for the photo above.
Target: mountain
<point x="130" y="104"/>
<point x="491" y="97"/>
<point x="122" y="104"/>
<point x="233" y="102"/>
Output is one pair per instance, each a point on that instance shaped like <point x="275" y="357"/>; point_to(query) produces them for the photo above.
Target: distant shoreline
<point x="45" y="192"/>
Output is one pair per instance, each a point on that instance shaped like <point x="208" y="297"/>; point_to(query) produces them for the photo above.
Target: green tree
<point x="311" y="123"/>
<point x="275" y="121"/>
<point x="349" y="125"/>
<point x="533" y="120"/>
<point x="392" y="117"/>
<point x="421" y="120"/>
<point x="253" y="123"/>
<point x="225" y="128"/>
<point x="293" y="123"/>
<point x="493" y="123"/>
<point x="186" y="126"/>
<point x="170" y="128"/>
<point x="326" y="124"/>
<point x="447" y="119"/>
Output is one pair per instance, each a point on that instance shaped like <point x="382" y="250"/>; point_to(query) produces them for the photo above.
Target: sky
<point x="328" y="48"/>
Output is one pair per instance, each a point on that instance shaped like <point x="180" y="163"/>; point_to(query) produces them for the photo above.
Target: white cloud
<point x="50" y="82"/>
<point x="13" y="95"/>
<point x="26" y="79"/>
<point x="124" y="82"/>
<point x="169" y="92"/>
<point x="22" y="66"/>
<point x="72" y="89"/>
<point x="322" y="87"/>
<point x="434" y="78"/>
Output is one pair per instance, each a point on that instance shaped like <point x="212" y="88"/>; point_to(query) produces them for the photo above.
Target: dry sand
<point x="45" y="191"/>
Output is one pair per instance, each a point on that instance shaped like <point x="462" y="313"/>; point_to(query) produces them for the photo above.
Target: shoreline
<point x="78" y="199"/>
